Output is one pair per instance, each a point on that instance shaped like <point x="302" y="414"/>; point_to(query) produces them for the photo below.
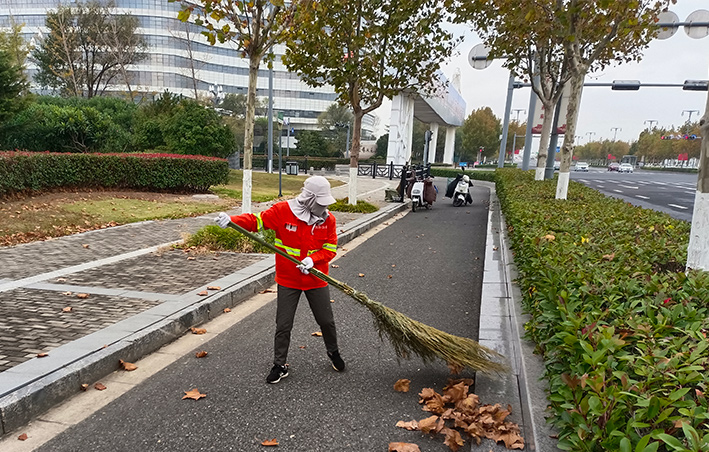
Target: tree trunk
<point x="698" y="249"/>
<point x="254" y="62"/>
<point x="567" y="151"/>
<point x="544" y="138"/>
<point x="354" y="155"/>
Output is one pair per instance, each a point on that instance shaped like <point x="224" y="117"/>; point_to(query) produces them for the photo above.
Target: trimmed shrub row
<point x="20" y="171"/>
<point x="621" y="327"/>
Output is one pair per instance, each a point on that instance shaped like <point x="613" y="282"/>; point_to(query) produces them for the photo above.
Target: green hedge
<point x="620" y="325"/>
<point x="20" y="171"/>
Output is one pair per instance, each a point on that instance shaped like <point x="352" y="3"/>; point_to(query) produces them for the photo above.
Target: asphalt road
<point x="668" y="192"/>
<point x="427" y="265"/>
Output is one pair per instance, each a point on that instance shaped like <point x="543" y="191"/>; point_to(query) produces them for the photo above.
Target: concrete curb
<point x="502" y="329"/>
<point x="33" y="387"/>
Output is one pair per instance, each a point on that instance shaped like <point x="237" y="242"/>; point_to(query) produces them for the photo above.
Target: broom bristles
<point x="408" y="336"/>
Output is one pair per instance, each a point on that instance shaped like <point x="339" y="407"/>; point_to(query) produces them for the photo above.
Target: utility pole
<point x="517" y="110"/>
<point x="615" y="131"/>
<point x="589" y="135"/>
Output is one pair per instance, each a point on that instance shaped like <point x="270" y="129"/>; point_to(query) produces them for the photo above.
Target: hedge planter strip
<point x="20" y="171"/>
<point x="621" y="326"/>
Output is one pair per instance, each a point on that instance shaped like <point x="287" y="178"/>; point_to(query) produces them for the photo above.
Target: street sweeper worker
<point x="306" y="230"/>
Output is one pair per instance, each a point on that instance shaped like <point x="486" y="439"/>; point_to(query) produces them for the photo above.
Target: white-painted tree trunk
<point x="246" y="191"/>
<point x="547" y="124"/>
<point x="539" y="173"/>
<point x="562" y="185"/>
<point x="352" y="189"/>
<point x="698" y="250"/>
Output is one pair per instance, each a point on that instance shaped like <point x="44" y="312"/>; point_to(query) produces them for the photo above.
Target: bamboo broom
<point x="408" y="336"/>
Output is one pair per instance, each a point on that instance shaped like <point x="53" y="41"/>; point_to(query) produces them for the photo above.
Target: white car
<point x="625" y="168"/>
<point x="581" y="166"/>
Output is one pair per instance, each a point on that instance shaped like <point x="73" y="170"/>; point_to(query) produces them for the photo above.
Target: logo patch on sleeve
<point x="291" y="227"/>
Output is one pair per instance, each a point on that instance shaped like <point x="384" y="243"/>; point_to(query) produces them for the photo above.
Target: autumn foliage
<point x="457" y="415"/>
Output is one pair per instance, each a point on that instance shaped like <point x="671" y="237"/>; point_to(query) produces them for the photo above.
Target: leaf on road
<point x="198" y="330"/>
<point x="214" y="288"/>
<point x="403" y="447"/>
<point x="83" y="296"/>
<point x="193" y="394"/>
<point x="270" y="442"/>
<point x="99" y="386"/>
<point x="410" y="425"/>
<point x="22" y="437"/>
<point x="85" y="245"/>
<point x="402" y="385"/>
<point x="67" y="309"/>
<point x="316" y="334"/>
<point x="191" y="258"/>
<point x="453" y="439"/>
<point x="227" y="310"/>
<point x="84" y="386"/>
<point x="429" y="424"/>
<point x="42" y="355"/>
<point x="390" y="276"/>
<point x="335" y="266"/>
<point x="268" y="291"/>
<point x="127" y="366"/>
<point x="203" y="293"/>
<point x="361" y="275"/>
<point x="303" y="347"/>
<point x="66" y="293"/>
<point x="201" y="354"/>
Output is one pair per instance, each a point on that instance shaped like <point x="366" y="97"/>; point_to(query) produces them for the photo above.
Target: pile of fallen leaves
<point x="456" y="412"/>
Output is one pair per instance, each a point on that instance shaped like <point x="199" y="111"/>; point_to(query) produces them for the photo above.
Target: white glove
<point x="305" y="265"/>
<point x="223" y="220"/>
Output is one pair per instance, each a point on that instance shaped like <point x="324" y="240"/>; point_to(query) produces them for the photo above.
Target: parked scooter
<point x="420" y="188"/>
<point x="458" y="189"/>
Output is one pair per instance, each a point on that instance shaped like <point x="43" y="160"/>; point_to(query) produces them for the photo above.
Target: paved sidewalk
<point x="84" y="299"/>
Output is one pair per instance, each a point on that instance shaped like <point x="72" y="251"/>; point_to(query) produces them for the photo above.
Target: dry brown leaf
<point x="99" y="386"/>
<point x="393" y="265"/>
<point x="42" y="355"/>
<point x="609" y="257"/>
<point x="22" y="437"/>
<point x="316" y="334"/>
<point x="402" y="385"/>
<point x="429" y="424"/>
<point x="390" y="276"/>
<point x="455" y="393"/>
<point x="203" y="293"/>
<point x="66" y="293"/>
<point x="214" y="288"/>
<point x="549" y="237"/>
<point x="83" y="296"/>
<point x="191" y="258"/>
<point x="85" y="245"/>
<point x="267" y="291"/>
<point x="201" y="354"/>
<point x="84" y="386"/>
<point x="127" y="366"/>
<point x="453" y="439"/>
<point x="361" y="275"/>
<point x="332" y="301"/>
<point x="411" y="425"/>
<point x="425" y="394"/>
<point x="227" y="310"/>
<point x="67" y="309"/>
<point x="193" y="394"/>
<point x="335" y="266"/>
<point x="270" y="442"/>
<point x="403" y="447"/>
<point x="198" y="330"/>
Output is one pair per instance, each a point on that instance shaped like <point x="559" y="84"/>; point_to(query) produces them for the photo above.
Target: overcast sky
<point x="672" y="60"/>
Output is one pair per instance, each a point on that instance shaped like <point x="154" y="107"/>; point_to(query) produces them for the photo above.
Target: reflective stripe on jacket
<point x="297" y="239"/>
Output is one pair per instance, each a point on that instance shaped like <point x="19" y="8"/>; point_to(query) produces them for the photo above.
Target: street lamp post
<point x="589" y="135"/>
<point x="652" y="123"/>
<point x="217" y="92"/>
<point x="517" y="110"/>
<point x="615" y="131"/>
<point x="690" y="114"/>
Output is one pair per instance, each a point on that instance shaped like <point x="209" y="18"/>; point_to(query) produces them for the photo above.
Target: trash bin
<point x="292" y="168"/>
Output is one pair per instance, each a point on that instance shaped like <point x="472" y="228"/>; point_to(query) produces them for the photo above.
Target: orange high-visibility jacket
<point x="299" y="240"/>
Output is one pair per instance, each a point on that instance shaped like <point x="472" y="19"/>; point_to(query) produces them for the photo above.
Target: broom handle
<point x="317" y="273"/>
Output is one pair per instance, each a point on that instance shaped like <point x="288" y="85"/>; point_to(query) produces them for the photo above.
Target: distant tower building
<point x="169" y="65"/>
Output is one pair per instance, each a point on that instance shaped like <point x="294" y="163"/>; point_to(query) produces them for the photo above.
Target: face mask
<point x="318" y="210"/>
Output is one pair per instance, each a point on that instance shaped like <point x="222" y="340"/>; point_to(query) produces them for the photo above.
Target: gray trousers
<point x="287" y="299"/>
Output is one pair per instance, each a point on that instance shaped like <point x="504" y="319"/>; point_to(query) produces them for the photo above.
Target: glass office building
<point x="179" y="56"/>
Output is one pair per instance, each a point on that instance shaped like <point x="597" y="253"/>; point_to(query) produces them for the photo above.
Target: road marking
<point x="629" y="186"/>
<point x="678" y="207"/>
<point x="600" y="186"/>
<point x="618" y="191"/>
<point x="641" y="197"/>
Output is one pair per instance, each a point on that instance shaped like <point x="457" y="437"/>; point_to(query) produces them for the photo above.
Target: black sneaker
<point x="337" y="363"/>
<point x="277" y="372"/>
